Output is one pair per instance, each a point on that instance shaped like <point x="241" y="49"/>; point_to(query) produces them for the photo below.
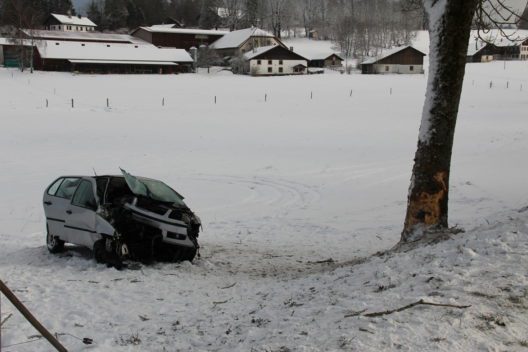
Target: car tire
<point x="99" y="251"/>
<point x="54" y="244"/>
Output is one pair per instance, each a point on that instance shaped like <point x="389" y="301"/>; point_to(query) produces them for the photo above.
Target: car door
<point x="57" y="198"/>
<point x="81" y="215"/>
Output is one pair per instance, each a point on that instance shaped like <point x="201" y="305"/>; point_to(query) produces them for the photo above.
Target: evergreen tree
<point x="252" y="13"/>
<point x="95" y="13"/>
<point x="116" y="14"/>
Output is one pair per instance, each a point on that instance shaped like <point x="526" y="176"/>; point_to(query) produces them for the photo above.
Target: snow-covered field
<point x="285" y="174"/>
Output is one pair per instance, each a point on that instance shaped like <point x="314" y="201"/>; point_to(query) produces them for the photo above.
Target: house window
<point x="280" y="62"/>
<point x="259" y="62"/>
<point x="281" y="70"/>
<point x="270" y="62"/>
<point x="386" y="68"/>
<point x="270" y="69"/>
<point x="411" y="68"/>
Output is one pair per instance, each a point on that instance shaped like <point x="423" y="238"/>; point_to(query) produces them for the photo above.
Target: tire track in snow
<point x="278" y="193"/>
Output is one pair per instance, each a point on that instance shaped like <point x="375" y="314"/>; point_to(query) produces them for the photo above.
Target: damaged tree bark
<point x="449" y="28"/>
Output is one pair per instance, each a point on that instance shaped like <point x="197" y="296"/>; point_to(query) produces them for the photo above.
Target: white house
<point x="273" y="61"/>
<point x="69" y="23"/>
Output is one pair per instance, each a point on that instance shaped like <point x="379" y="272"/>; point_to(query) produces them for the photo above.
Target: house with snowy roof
<point x="510" y="45"/>
<point x="69" y="23"/>
<point x="242" y="41"/>
<point x="404" y="60"/>
<point x="274" y="60"/>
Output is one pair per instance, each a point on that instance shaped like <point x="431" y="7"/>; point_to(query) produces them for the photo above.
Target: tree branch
<point x="420" y="302"/>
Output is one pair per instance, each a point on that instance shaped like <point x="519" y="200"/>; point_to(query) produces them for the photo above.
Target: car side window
<point x="67" y="187"/>
<point x="54" y="187"/>
<point x="84" y="196"/>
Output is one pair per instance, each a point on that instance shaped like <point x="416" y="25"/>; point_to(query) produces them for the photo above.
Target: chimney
<point x="291" y="48"/>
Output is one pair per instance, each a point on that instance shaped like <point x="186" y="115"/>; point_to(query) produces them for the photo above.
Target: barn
<point x="403" y="60"/>
<point x="110" y="58"/>
<point x="274" y="61"/>
<point x="325" y="60"/>
<point x="181" y="38"/>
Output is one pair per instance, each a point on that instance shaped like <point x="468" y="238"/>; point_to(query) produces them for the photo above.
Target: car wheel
<point x="54" y="244"/>
<point x="99" y="251"/>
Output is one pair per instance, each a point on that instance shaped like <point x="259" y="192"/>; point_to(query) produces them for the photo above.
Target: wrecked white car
<point x="120" y="217"/>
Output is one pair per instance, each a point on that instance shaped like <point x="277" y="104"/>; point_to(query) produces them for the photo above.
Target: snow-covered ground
<point x="282" y="184"/>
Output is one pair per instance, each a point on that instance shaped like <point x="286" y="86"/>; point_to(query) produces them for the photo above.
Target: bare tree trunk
<point x="449" y="27"/>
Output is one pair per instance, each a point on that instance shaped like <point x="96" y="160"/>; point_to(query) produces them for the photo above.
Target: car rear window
<point x="67" y="187"/>
<point x="54" y="187"/>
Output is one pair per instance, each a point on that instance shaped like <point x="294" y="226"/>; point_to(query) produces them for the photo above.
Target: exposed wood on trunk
<point x="427" y="207"/>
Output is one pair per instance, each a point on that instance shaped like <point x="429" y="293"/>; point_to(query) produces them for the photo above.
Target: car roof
<point x="104" y="176"/>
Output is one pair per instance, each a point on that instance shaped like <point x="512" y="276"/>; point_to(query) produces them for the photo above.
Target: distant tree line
<point x="31" y="13"/>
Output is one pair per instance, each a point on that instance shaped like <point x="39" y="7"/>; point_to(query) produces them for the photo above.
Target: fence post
<point x="27" y="314"/>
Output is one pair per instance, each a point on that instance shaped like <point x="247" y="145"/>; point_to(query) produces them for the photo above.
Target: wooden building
<point x="402" y="60"/>
<point x="110" y="58"/>
<point x="325" y="60"/>
<point x="181" y="38"/>
<point x="69" y="23"/>
<point x="274" y="60"/>
<point x="239" y="42"/>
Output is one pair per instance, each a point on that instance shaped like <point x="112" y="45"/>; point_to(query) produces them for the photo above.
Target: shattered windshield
<point x="152" y="189"/>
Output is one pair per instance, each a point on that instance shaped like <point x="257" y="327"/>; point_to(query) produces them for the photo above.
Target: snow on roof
<point x="385" y="54"/>
<point x="159" y="29"/>
<point x="14" y="41"/>
<point x="236" y="38"/>
<point x="257" y="51"/>
<point x="74" y="20"/>
<point x="163" y="26"/>
<point x="83" y="36"/>
<point x="321" y="56"/>
<point x="124" y="62"/>
<point x="49" y="49"/>
<point x="312" y="49"/>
